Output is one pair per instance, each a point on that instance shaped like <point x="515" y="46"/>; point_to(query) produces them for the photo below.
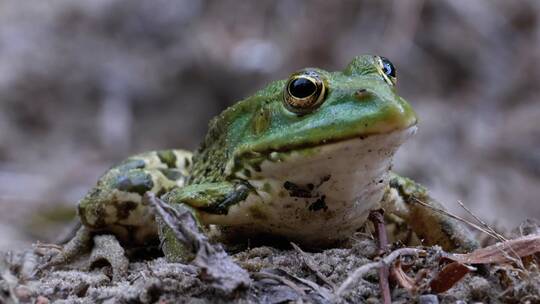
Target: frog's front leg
<point x="432" y="227"/>
<point x="114" y="205"/>
<point x="200" y="199"/>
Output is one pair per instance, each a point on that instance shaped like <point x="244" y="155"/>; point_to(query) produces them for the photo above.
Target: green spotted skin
<point x="115" y="204"/>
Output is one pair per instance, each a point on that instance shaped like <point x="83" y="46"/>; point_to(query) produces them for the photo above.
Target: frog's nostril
<point x="362" y="94"/>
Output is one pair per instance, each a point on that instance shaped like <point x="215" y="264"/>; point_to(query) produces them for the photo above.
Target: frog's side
<point x="305" y="158"/>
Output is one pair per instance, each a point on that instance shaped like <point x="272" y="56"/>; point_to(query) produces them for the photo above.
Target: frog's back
<point x="115" y="203"/>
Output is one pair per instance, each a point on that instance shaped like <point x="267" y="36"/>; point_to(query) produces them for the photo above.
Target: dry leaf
<point x="502" y="252"/>
<point x="499" y="253"/>
<point x="215" y="265"/>
<point x="448" y="277"/>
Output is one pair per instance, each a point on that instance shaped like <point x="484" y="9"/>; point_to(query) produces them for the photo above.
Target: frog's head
<point x="315" y="107"/>
<point x="317" y="148"/>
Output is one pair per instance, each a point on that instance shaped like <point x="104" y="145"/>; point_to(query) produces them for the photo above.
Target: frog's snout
<point x="392" y="113"/>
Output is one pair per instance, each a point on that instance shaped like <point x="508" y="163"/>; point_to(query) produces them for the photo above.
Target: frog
<point x="306" y="159"/>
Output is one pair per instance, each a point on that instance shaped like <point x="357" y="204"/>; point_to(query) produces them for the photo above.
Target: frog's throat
<point x="317" y="195"/>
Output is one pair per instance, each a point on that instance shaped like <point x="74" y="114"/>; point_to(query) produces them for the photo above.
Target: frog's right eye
<point x="304" y="92"/>
<point x="386" y="69"/>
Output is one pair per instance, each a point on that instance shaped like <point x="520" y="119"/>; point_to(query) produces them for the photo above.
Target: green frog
<point x="305" y="159"/>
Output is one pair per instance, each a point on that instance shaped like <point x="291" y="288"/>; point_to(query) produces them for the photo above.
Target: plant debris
<point x="215" y="265"/>
<point x="377" y="218"/>
<point x="509" y="251"/>
<point x="310" y="264"/>
<point x="358" y="273"/>
<point x="449" y="276"/>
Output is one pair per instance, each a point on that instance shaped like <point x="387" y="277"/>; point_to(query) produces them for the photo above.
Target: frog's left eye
<point x="304" y="92"/>
<point x="387" y="70"/>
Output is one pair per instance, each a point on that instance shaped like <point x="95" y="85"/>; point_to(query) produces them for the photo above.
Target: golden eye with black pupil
<point x="304" y="92"/>
<point x="387" y="70"/>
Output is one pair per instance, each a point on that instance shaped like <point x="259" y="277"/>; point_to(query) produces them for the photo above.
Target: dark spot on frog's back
<point x="136" y="181"/>
<point x="124" y="209"/>
<point x="167" y="157"/>
<point x="129" y="164"/>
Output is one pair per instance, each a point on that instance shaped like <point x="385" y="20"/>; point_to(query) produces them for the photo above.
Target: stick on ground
<point x="377" y="218"/>
<point x="359" y="272"/>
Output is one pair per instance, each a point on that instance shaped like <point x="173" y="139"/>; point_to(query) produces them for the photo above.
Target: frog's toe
<point x="64" y="254"/>
<point x="103" y="250"/>
<point x="107" y="250"/>
<point x="426" y="217"/>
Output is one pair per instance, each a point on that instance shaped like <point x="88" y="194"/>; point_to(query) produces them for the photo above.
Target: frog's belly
<point x="319" y="195"/>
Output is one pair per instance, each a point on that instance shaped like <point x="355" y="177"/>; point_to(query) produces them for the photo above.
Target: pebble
<point x="428" y="299"/>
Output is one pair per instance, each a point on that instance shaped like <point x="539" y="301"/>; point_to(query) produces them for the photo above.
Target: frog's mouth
<point x="398" y="136"/>
<point x="295" y="154"/>
<point x="292" y="146"/>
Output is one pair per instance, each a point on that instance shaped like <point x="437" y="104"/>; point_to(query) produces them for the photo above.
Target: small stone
<point x="42" y="300"/>
<point x="365" y="247"/>
<point x="23" y="293"/>
<point x="479" y="288"/>
<point x="428" y="299"/>
<point x="372" y="300"/>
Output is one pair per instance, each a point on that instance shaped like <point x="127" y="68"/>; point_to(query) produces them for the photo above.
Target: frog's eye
<point x="387" y="70"/>
<point x="304" y="92"/>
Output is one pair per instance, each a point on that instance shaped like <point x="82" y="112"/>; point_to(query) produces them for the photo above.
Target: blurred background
<point x="83" y="84"/>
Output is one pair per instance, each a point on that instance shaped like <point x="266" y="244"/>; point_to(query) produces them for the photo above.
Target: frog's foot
<point x="102" y="248"/>
<point x="79" y="245"/>
<point x="188" y="203"/>
<point x="433" y="228"/>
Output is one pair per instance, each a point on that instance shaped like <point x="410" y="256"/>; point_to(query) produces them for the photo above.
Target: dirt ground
<point x="276" y="275"/>
<point x="357" y="271"/>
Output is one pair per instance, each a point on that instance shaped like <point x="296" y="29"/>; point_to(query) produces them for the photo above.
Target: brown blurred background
<point x="84" y="84"/>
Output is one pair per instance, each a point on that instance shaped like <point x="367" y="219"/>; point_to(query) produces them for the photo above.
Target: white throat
<point x="322" y="194"/>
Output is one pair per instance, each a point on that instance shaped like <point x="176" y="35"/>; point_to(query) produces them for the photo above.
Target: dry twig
<point x="503" y="252"/>
<point x="362" y="270"/>
<point x="441" y="211"/>
<point x="308" y="261"/>
<point x="499" y="236"/>
<point x="377" y="218"/>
